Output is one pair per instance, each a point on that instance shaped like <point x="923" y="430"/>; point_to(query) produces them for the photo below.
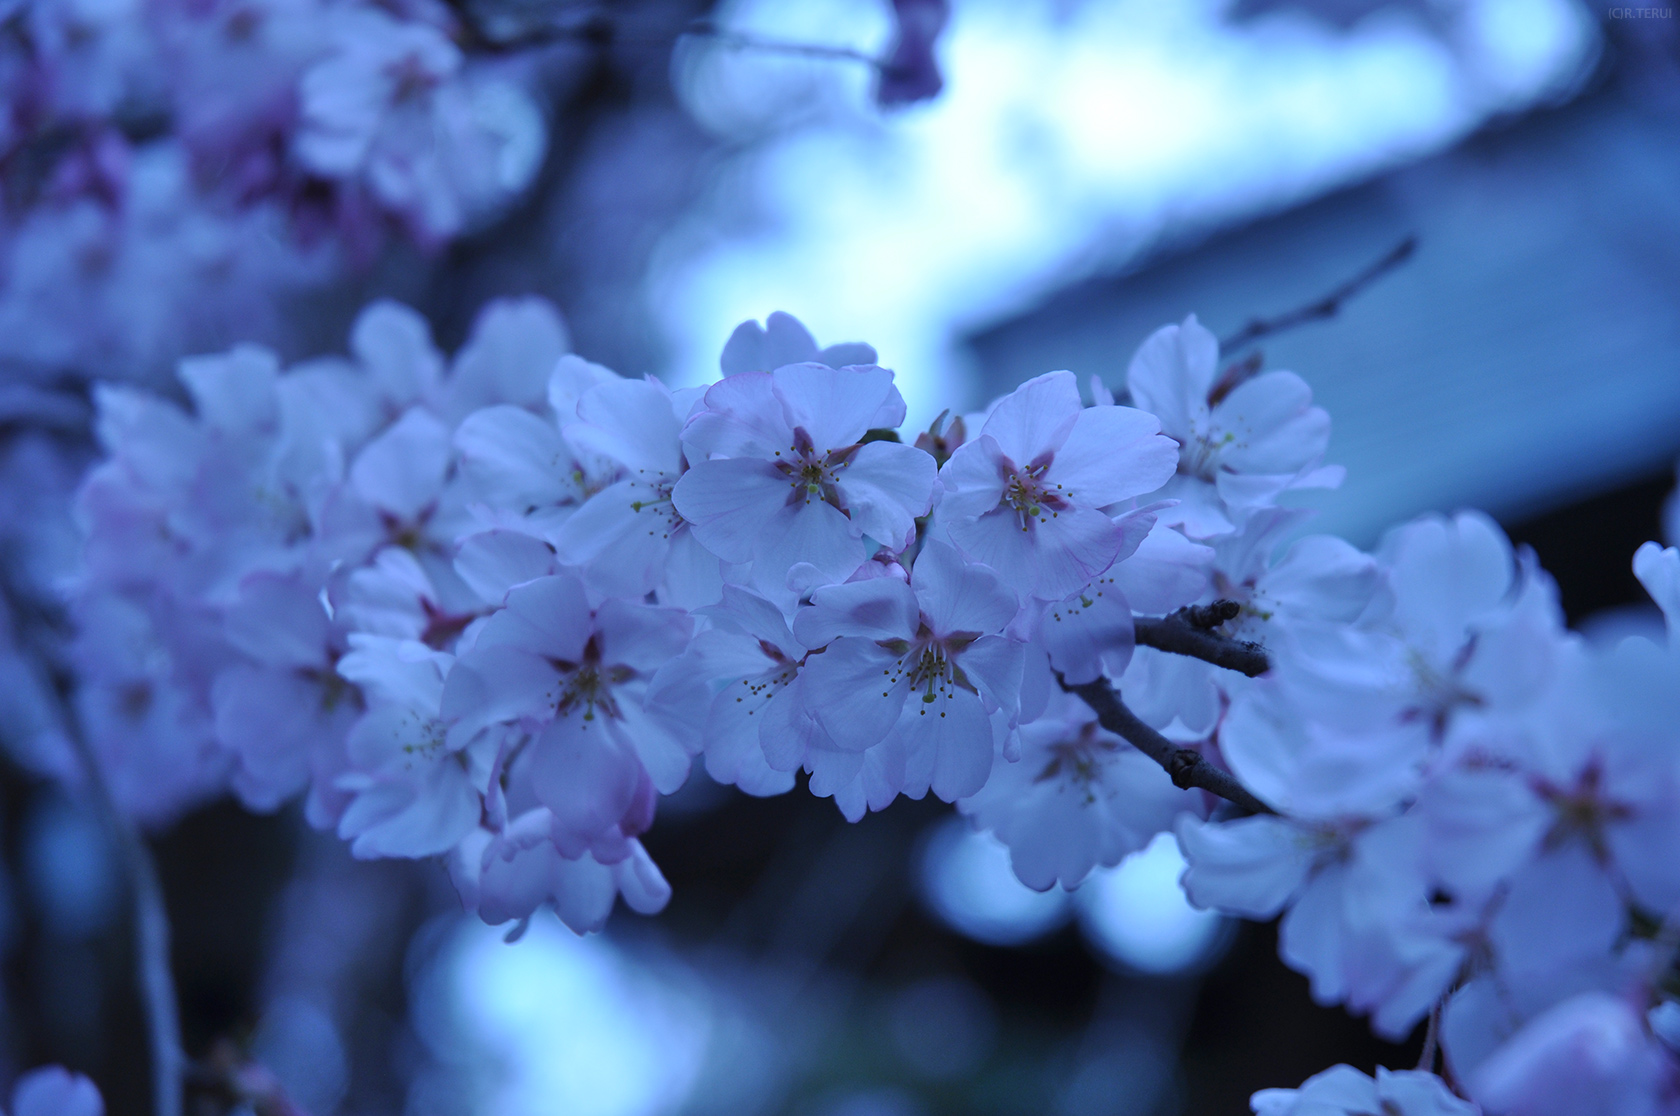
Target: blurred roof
<point x="1527" y="355"/>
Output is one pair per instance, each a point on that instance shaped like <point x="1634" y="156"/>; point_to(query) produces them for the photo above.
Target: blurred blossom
<point x="943" y="1027"/>
<point x="967" y="881"/>
<point x="556" y="1023"/>
<point x="1137" y="914"/>
<point x="1066" y="138"/>
<point x="873" y="1102"/>
<point x="72" y="873"/>
<point x="1125" y="1072"/>
<point x="298" y="1043"/>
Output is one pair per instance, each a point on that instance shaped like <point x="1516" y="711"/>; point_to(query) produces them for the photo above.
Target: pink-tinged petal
<point x="783" y="339"/>
<point x="833" y="770"/>
<point x="386" y="598"/>
<point x="733" y="752"/>
<point x="1088" y="633"/>
<point x="948" y="743"/>
<point x="835" y="406"/>
<point x="1200" y="512"/>
<point x="234" y="391"/>
<point x="812" y="533"/>
<point x="583" y="891"/>
<point x="1324" y="577"/>
<point x="572" y="379"/>
<point x="403" y="672"/>
<point x="958" y="596"/>
<point x="426" y="815"/>
<point x="277" y="620"/>
<point x="581" y="772"/>
<point x="1167" y="571"/>
<point x="514" y="346"/>
<point x="395" y="345"/>
<point x="1275" y="427"/>
<point x="1250" y="867"/>
<point x="879" y="608"/>
<point x="1113" y="454"/>
<point x="1588" y="1056"/>
<point x="693" y="575"/>
<point x="275" y="722"/>
<point x="886" y="486"/>
<point x="1036" y="417"/>
<point x="55" y="1091"/>
<point x="664" y="740"/>
<point x="1446" y="573"/>
<point x="632" y="423"/>
<point x="789" y="732"/>
<point x="728" y="502"/>
<point x="641" y="882"/>
<point x="996" y="666"/>
<point x="855" y="690"/>
<point x="1658" y="570"/>
<point x="1052" y="556"/>
<point x="1310" y="770"/>
<point x="1038" y="684"/>
<point x="973" y="480"/>
<point x="514" y="459"/>
<point x="497" y="684"/>
<point x="547" y="617"/>
<point x="742" y="418"/>
<point x="402" y="470"/>
<point x="641" y="637"/>
<point x="740" y="610"/>
<point x="1172" y="373"/>
<point x="493" y="562"/>
<point x="620" y="547"/>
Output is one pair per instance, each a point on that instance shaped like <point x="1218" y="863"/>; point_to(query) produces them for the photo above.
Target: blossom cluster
<point x="491" y="608"/>
<point x="166" y="165"/>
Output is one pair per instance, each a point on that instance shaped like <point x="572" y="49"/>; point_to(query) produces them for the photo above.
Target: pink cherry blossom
<point x="778" y="473"/>
<point x="1024" y="496"/>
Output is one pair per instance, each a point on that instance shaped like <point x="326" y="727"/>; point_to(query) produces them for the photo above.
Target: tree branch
<point x="151" y="933"/>
<point x="1186" y="632"/>
<point x="1327" y="307"/>
<point x="1187" y="767"/>
<point x="151" y="914"/>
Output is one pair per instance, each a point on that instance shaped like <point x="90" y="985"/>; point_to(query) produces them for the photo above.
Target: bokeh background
<point x="1091" y="169"/>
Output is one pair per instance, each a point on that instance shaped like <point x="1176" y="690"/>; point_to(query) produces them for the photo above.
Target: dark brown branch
<point x="1187" y="632"/>
<point x="1327" y="307"/>
<point x="1186" y="766"/>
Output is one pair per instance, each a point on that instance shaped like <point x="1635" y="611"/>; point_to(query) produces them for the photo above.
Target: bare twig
<point x="1187" y="632"/>
<point x="1431" y="1040"/>
<point x="1327" y="307"/>
<point x="151" y="914"/>
<point x="1186" y="766"/>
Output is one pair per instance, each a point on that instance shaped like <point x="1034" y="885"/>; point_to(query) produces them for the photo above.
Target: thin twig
<point x="1327" y="307"/>
<point x="1181" y="635"/>
<point x="1431" y="1040"/>
<point x="151" y="913"/>
<point x="151" y="935"/>
<point x="1187" y="767"/>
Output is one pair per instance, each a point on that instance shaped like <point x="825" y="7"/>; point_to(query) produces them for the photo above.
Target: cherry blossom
<point x="779" y="475"/>
<point x="1242" y="440"/>
<point x="1024" y="496"/>
<point x="940" y="638"/>
<point x="1344" y="1091"/>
